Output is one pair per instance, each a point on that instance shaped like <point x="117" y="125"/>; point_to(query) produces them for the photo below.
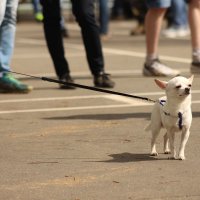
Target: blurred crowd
<point x="93" y="19"/>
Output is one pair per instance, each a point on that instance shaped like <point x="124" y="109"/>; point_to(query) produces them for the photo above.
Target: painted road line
<point x="126" y="100"/>
<point x="109" y="50"/>
<point x="67" y="109"/>
<point x="113" y="97"/>
<point x="79" y="108"/>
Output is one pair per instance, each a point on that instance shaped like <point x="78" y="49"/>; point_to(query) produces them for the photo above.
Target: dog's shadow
<point x="130" y="157"/>
<point x="116" y="116"/>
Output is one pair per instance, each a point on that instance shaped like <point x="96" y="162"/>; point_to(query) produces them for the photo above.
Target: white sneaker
<point x="176" y="32"/>
<point x="156" y="68"/>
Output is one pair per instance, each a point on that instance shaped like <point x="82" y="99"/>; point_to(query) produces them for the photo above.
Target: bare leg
<point x="194" y="21"/>
<point x="153" y="24"/>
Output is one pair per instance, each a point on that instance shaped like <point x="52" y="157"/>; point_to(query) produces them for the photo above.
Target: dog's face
<point x="178" y="87"/>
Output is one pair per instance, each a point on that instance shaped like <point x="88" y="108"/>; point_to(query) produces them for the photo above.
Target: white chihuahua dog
<point x="172" y="112"/>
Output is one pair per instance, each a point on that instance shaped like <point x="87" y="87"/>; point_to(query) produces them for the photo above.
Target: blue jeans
<point x="103" y="16"/>
<point x="158" y="3"/>
<point x="7" y="32"/>
<point x="36" y="6"/>
<point x="179" y="14"/>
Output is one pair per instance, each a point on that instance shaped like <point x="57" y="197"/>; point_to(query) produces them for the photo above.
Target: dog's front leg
<point x="153" y="142"/>
<point x="171" y="135"/>
<point x="166" y="146"/>
<point x="184" y="139"/>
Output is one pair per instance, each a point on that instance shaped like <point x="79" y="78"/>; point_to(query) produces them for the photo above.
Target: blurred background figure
<point x="104" y="17"/>
<point x="37" y="10"/>
<point x="64" y="30"/>
<point x="139" y="10"/>
<point x="121" y="9"/>
<point x="177" y="20"/>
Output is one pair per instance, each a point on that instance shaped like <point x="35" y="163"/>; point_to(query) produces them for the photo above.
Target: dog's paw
<point x="171" y="158"/>
<point x="167" y="152"/>
<point x="154" y="154"/>
<point x="181" y="158"/>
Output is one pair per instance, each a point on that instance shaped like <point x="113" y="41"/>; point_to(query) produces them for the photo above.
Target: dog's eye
<point x="178" y="86"/>
<point x="189" y="85"/>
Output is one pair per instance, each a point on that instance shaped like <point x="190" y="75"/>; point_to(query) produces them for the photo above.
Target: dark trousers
<point x="84" y="13"/>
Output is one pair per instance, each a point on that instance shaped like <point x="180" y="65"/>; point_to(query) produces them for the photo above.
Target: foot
<point x="176" y="32"/>
<point x="103" y="80"/>
<point x="67" y="79"/>
<point x="8" y="84"/>
<point x="153" y="154"/>
<point x="139" y="30"/>
<point x="195" y="67"/>
<point x="167" y="152"/>
<point x="65" y="33"/>
<point x="156" y="68"/>
<point x="39" y="17"/>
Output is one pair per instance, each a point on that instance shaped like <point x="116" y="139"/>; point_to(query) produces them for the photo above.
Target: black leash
<point x="84" y="86"/>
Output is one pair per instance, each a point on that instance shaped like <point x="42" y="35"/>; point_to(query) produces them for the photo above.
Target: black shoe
<point x="65" y="33"/>
<point x="103" y="80"/>
<point x="66" y="78"/>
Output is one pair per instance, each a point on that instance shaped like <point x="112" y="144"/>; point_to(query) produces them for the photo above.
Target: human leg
<point x="37" y="10"/>
<point x="194" y="20"/>
<point x="2" y="10"/>
<point x="153" y="24"/>
<point x="53" y="36"/>
<point x="85" y="16"/>
<point x="7" y="40"/>
<point x="179" y="23"/>
<point x="52" y="17"/>
<point x="103" y="16"/>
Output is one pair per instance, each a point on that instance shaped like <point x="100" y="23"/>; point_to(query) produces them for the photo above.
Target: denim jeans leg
<point x="179" y="12"/>
<point x="103" y="16"/>
<point x="7" y="34"/>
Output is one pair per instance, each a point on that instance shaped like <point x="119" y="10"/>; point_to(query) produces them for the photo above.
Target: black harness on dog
<point x="180" y="115"/>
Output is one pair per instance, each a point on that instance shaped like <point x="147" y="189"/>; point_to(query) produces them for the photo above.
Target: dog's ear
<point x="191" y="79"/>
<point x="161" y="84"/>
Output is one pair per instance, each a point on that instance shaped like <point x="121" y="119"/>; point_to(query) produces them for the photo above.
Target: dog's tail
<point x="148" y="127"/>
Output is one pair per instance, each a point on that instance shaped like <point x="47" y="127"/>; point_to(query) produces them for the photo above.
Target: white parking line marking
<point x="126" y="100"/>
<point x="67" y="109"/>
<point x="79" y="108"/>
<point x="109" y="50"/>
<point x="112" y="97"/>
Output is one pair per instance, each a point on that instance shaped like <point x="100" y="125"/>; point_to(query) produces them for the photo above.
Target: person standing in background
<point x="85" y="16"/>
<point x="104" y="17"/>
<point x="153" y="24"/>
<point x="37" y="10"/>
<point x="178" y="21"/>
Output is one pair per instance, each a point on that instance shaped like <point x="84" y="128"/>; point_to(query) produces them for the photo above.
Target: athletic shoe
<point x="176" y="32"/>
<point x="156" y="68"/>
<point x="66" y="78"/>
<point x="8" y="84"/>
<point x="39" y="17"/>
<point x="195" y="67"/>
<point x="103" y="80"/>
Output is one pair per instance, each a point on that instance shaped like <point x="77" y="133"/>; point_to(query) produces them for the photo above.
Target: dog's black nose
<point x="187" y="90"/>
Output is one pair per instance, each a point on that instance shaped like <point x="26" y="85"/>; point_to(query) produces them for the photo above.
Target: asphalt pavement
<point x="85" y="145"/>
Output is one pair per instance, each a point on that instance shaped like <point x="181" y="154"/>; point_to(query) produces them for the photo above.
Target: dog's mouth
<point x="186" y="92"/>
